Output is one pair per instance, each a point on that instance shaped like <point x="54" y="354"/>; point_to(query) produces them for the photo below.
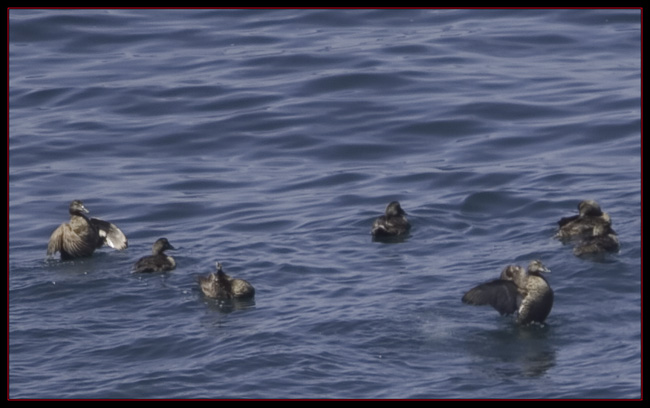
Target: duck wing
<point x="597" y="245"/>
<point x="500" y="294"/>
<point x="378" y="226"/>
<point x="242" y="289"/>
<point x="565" y="220"/>
<point x="390" y="226"/>
<point x="152" y="263"/>
<point x="110" y="235"/>
<point x="209" y="286"/>
<point x="56" y="241"/>
<point x="66" y="241"/>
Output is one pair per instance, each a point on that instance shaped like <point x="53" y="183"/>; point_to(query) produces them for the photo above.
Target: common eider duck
<point x="82" y="235"/>
<point x="159" y="261"/>
<point x="525" y="292"/>
<point x="582" y="225"/>
<point x="221" y="286"/>
<point x="393" y="223"/>
<point x="602" y="240"/>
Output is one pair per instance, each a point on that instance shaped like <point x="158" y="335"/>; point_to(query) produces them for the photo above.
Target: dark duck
<point x="158" y="261"/>
<point x="591" y="230"/>
<point x="221" y="286"/>
<point x="82" y="235"/>
<point x="392" y="224"/>
<point x="581" y="225"/>
<point x="520" y="291"/>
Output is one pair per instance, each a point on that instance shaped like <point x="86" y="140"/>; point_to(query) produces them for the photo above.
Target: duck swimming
<point x="581" y="225"/>
<point x="82" y="235"/>
<point x="591" y="230"/>
<point x="221" y="286"/>
<point x="517" y="290"/>
<point x="392" y="223"/>
<point x="159" y="261"/>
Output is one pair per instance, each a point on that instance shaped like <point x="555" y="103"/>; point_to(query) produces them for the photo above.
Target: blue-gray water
<point x="269" y="140"/>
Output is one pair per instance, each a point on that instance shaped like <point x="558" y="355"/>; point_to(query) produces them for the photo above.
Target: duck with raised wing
<point x="82" y="235"/>
<point x="520" y="291"/>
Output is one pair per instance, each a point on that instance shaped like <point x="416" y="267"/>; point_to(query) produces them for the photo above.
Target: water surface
<point x="268" y="140"/>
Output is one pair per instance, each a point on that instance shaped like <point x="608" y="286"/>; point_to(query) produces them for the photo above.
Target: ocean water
<point x="269" y="140"/>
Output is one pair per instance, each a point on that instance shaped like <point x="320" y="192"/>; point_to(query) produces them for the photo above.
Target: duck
<point x="603" y="239"/>
<point x="82" y="235"/>
<point x="522" y="291"/>
<point x="158" y="261"/>
<point x="582" y="225"/>
<point x="219" y="285"/>
<point x="393" y="223"/>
